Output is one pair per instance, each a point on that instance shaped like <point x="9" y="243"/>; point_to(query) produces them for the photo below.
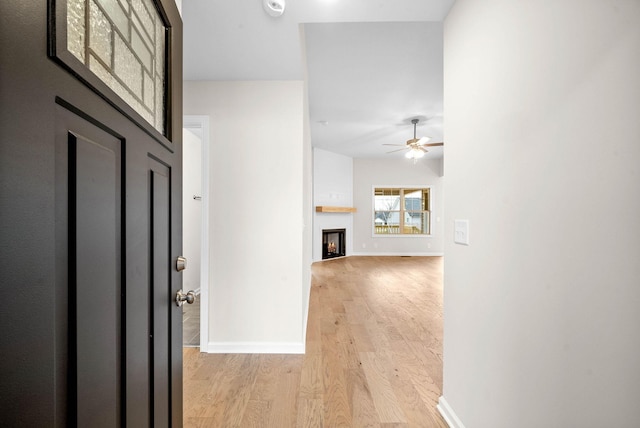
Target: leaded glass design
<point x="123" y="43"/>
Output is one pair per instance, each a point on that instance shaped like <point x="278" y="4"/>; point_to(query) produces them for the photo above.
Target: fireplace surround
<point x="333" y="243"/>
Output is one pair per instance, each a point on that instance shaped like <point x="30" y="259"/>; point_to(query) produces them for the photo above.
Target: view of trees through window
<point x="401" y="211"/>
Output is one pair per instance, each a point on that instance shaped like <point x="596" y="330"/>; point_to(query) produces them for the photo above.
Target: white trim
<point x="448" y="414"/>
<point x="255" y="348"/>
<point x="400" y="235"/>
<point x="305" y="322"/>
<point x="400" y="254"/>
<point x="202" y="123"/>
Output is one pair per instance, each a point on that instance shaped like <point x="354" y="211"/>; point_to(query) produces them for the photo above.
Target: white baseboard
<point x="400" y="254"/>
<point x="255" y="348"/>
<point x="448" y="414"/>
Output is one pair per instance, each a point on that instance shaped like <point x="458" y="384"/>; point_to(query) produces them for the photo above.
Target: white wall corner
<point x="448" y="414"/>
<point x="236" y="295"/>
<point x="256" y="348"/>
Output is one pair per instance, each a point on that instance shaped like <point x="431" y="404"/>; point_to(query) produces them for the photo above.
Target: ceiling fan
<point x="415" y="146"/>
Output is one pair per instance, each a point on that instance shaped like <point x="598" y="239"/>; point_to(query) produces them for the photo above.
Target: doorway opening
<point x="195" y="216"/>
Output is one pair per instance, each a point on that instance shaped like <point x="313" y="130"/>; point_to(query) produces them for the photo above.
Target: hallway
<point x="373" y="356"/>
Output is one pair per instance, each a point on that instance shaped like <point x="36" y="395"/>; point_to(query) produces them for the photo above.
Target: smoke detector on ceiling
<point x="274" y="8"/>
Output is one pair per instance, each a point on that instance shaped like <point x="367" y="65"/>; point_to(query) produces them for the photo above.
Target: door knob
<point x="181" y="297"/>
<point x="181" y="263"/>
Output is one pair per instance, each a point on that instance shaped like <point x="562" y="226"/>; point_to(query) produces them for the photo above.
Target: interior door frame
<point x="201" y="123"/>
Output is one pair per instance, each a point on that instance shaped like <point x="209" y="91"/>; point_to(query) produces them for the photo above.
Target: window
<point x="401" y="211"/>
<point x="123" y="42"/>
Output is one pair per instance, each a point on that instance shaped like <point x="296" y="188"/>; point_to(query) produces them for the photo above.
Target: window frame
<point x="403" y="210"/>
<point x="59" y="52"/>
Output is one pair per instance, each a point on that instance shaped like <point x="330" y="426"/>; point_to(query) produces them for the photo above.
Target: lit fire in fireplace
<point x="333" y="243"/>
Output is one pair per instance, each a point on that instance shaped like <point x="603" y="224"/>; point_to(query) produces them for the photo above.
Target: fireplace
<point x="333" y="243"/>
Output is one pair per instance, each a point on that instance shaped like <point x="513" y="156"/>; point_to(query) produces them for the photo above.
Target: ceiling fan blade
<point x="415" y="145"/>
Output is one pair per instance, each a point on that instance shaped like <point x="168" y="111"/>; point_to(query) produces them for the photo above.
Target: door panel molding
<point x="160" y="286"/>
<point x="91" y="184"/>
<point x="97" y="287"/>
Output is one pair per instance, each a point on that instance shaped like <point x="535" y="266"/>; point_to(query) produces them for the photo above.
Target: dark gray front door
<point x="90" y="215"/>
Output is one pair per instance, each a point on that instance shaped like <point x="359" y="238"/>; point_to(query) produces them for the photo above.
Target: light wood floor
<point x="191" y="324"/>
<point x="373" y="356"/>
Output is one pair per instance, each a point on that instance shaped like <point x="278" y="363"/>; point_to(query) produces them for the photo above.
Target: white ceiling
<point x="372" y="65"/>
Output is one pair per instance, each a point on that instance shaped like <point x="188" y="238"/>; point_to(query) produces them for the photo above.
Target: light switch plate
<point x="461" y="232"/>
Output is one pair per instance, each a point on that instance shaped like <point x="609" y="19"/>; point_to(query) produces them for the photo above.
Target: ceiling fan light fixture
<point x="414" y="153"/>
<point x="416" y="147"/>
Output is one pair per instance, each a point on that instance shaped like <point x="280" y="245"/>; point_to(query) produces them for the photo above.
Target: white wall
<point x="368" y="173"/>
<point x="333" y="186"/>
<point x="256" y="205"/>
<point x="542" y="318"/>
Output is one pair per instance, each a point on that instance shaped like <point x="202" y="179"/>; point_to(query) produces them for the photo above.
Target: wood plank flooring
<point x="191" y="324"/>
<point x="373" y="356"/>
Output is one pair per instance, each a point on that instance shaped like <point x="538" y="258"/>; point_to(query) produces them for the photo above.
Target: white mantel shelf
<point x="327" y="209"/>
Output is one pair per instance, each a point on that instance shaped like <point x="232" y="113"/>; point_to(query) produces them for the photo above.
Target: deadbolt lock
<point x="181" y="264"/>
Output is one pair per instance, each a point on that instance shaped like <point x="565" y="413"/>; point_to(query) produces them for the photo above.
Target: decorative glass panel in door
<point x="123" y="43"/>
